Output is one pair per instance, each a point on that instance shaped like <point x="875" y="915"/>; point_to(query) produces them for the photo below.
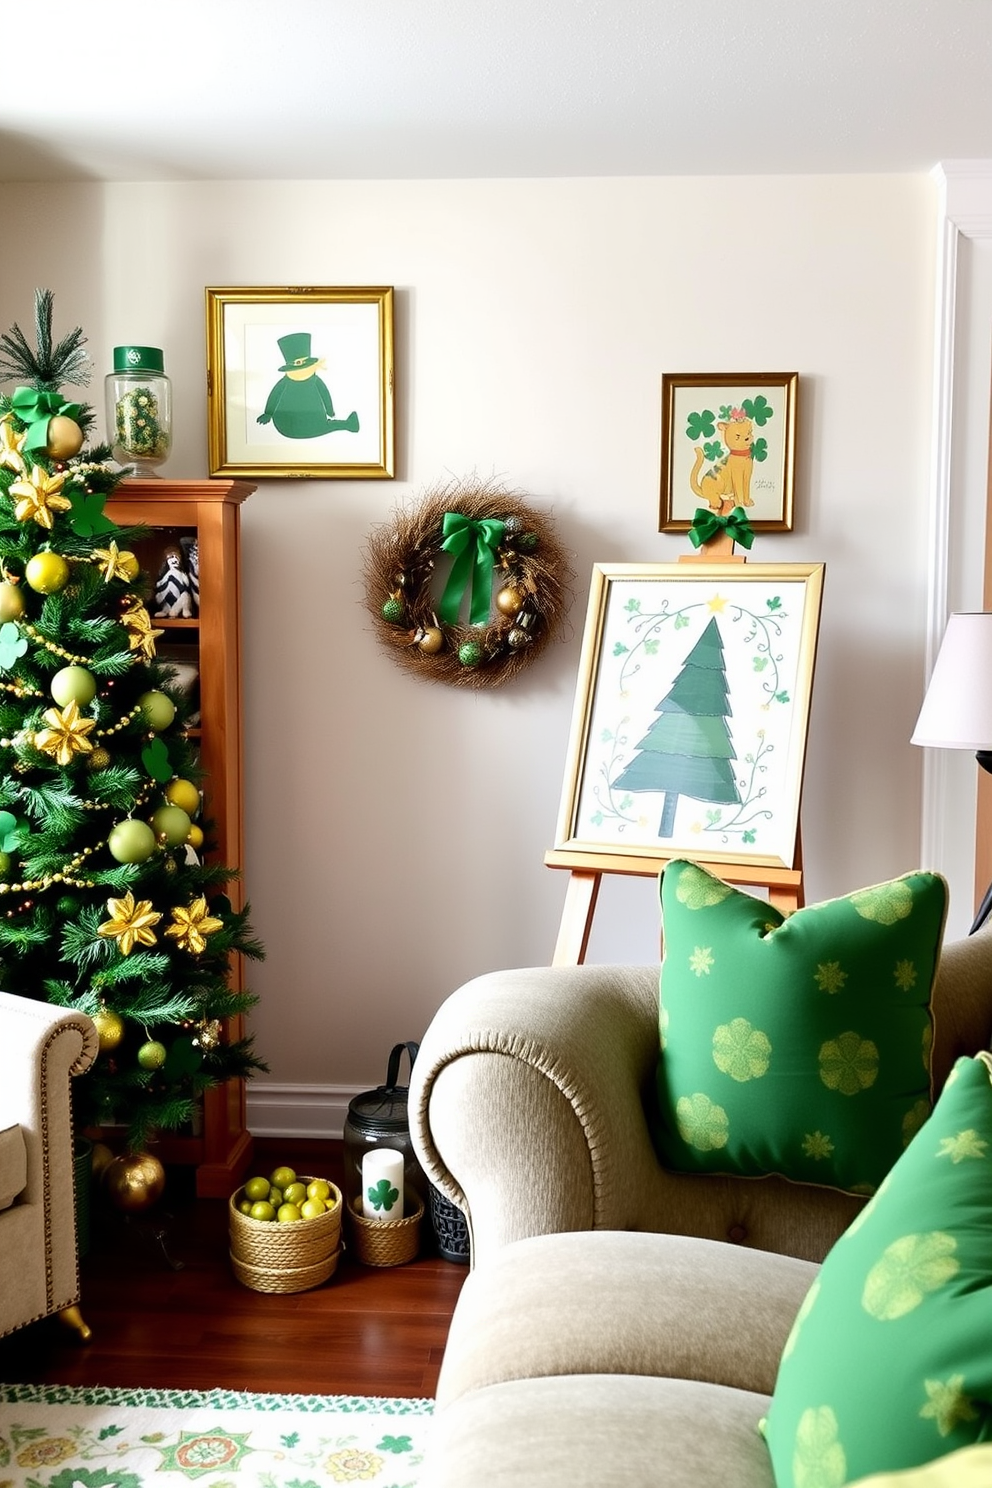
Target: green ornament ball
<point x="6" y="866"/>
<point x="152" y="1055"/>
<point x="470" y="653"/>
<point x="131" y="841"/>
<point x="527" y="541"/>
<point x="73" y="684"/>
<point x="171" y="824"/>
<point x="157" y="710"/>
<point x="394" y="610"/>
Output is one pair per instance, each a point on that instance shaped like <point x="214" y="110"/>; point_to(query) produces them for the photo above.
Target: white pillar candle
<point x="382" y="1183"/>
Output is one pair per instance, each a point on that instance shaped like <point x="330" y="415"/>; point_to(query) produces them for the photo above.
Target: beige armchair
<point x="41" y="1049"/>
<point x="527" y="1111"/>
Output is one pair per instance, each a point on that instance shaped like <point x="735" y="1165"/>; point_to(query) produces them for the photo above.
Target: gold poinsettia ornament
<point x="38" y="496"/>
<point x="130" y="923"/>
<point x="114" y="564"/>
<point x="190" y="927"/>
<point x="138" y="621"/>
<point x="11" y="444"/>
<point x="66" y="733"/>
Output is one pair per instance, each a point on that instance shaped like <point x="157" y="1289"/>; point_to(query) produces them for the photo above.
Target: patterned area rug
<point x="61" y="1436"/>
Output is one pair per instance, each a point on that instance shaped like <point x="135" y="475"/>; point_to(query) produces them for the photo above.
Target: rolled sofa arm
<point x="527" y="1100"/>
<point x="41" y="1048"/>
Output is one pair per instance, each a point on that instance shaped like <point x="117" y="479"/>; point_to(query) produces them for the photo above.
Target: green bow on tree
<point x="35" y="407"/>
<point x="474" y="545"/>
<point x="706" y="525"/>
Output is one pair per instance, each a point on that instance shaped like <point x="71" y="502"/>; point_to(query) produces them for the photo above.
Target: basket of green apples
<point x="285" y="1231"/>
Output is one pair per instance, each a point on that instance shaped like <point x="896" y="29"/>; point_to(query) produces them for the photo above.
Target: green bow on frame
<point x="35" y="407"/>
<point x="706" y="525"/>
<point x="474" y="544"/>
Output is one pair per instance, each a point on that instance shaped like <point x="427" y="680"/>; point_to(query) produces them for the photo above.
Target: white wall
<point x="396" y="830"/>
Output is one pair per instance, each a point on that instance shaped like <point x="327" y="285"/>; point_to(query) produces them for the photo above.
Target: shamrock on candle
<point x="383" y="1195"/>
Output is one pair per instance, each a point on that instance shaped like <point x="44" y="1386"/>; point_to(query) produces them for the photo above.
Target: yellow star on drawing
<point x="65" y="734"/>
<point x="38" y="496"/>
<point x="114" y="564"/>
<point x="717" y="604"/>
<point x="142" y="637"/>
<point x="130" y="924"/>
<point x="11" y="445"/>
<point x="190" y="927"/>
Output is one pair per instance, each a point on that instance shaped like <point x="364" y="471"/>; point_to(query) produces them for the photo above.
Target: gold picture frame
<point x="300" y="383"/>
<point x="728" y="439"/>
<point x="718" y="775"/>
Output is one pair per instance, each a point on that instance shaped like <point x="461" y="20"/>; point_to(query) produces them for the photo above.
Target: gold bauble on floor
<point x="134" y="1181"/>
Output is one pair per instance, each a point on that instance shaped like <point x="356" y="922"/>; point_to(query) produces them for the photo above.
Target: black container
<point x="379" y="1118"/>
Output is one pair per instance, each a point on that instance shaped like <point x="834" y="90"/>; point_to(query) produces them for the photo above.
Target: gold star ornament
<point x="11" y="445"/>
<point x="190" y="927"/>
<point x="114" y="564"/>
<point x="142" y="637"/>
<point x="38" y="496"/>
<point x="130" y="923"/>
<point x="66" y="733"/>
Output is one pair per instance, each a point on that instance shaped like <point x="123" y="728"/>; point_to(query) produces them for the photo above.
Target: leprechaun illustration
<point x="300" y="405"/>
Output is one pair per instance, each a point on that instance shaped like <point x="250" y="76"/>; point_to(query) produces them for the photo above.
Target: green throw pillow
<point x="800" y="1045"/>
<point x="889" y="1363"/>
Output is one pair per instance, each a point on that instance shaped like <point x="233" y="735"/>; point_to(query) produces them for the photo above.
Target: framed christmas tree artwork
<point x="691" y="712"/>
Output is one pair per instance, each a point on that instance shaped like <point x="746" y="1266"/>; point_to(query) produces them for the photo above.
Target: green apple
<point x="288" y="1214"/>
<point x="263" y="1211"/>
<point x="275" y="1196"/>
<point x="245" y="1206"/>
<point x="318" y="1188"/>
<point x="313" y="1208"/>
<point x="282" y="1177"/>
<point x="295" y="1193"/>
<point x="257" y="1188"/>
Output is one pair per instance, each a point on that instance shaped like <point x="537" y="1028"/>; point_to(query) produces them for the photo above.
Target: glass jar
<point x="139" y="408"/>
<point x="378" y="1118"/>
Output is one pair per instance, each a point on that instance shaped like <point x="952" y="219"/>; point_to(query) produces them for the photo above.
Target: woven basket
<point x="272" y="1257"/>
<point x="385" y="1242"/>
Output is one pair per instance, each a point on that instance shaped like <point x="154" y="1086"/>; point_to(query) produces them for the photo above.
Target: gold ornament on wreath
<point x="469" y="587"/>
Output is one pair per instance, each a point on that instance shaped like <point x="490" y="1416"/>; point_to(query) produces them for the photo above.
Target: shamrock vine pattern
<point x="763" y="631"/>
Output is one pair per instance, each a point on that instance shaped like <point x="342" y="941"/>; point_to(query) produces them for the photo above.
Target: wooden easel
<point x="586" y="869"/>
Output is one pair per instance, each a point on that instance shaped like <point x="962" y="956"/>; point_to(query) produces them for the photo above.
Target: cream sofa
<point x="621" y="1324"/>
<point x="41" y="1049"/>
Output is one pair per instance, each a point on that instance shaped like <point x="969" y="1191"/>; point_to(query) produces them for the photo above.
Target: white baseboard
<point x="299" y="1110"/>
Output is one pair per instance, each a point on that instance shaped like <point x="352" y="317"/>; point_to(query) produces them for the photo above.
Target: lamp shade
<point x="957" y="709"/>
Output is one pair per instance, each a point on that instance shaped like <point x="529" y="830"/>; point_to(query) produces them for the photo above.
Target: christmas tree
<point x="105" y="902"/>
<point x="687" y="750"/>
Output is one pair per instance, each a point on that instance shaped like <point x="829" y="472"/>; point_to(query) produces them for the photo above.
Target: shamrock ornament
<point x="154" y="756"/>
<point x="87" y="517"/>
<point x="12" y="645"/>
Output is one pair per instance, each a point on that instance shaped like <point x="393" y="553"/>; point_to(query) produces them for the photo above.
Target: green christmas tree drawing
<point x="687" y="751"/>
<point x="104" y="904"/>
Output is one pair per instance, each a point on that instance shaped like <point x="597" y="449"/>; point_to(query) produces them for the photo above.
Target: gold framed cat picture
<point x="728" y="440"/>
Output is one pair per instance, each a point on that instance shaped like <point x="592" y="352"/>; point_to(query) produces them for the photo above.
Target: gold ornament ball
<point x="109" y="1027"/>
<point x="152" y="1055"/>
<point x="195" y="838"/>
<point x="65" y="438"/>
<point x="98" y="758"/>
<point x="129" y="566"/>
<point x="11" y="601"/>
<point x="183" y="793"/>
<point x="134" y="1181"/>
<point x="509" y="600"/>
<point x="47" y="572"/>
<point x="430" y="640"/>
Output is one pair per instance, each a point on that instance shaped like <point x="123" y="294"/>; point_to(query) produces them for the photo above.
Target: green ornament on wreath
<point x="469" y="587"/>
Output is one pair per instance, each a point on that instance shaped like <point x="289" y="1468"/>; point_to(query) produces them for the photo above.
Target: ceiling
<point x="366" y="89"/>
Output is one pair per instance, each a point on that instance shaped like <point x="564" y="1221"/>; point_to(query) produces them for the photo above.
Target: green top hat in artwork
<point x="296" y="352"/>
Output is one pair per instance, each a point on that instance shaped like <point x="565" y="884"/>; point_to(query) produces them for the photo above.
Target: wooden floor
<point x="368" y="1331"/>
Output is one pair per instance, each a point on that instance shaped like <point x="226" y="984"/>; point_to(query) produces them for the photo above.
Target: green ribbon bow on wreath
<point x="706" y="525"/>
<point x="474" y="544"/>
<point x="34" y="407"/>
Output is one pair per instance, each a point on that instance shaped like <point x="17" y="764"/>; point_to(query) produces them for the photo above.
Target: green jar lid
<point x="138" y="359"/>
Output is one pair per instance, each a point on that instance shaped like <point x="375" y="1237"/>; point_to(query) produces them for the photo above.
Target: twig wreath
<point x="478" y="619"/>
